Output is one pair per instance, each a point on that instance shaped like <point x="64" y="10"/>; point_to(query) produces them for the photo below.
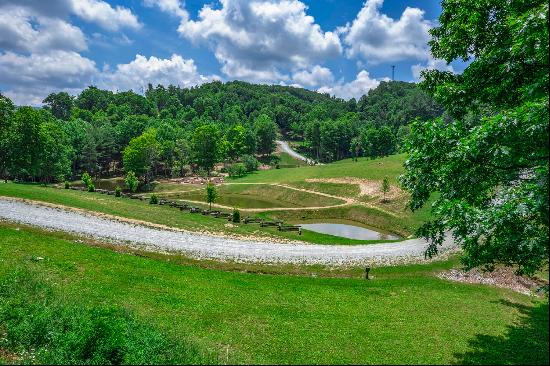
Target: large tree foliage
<point x="6" y="112"/>
<point x="266" y="131"/>
<point x="489" y="161"/>
<point x="60" y="104"/>
<point x="141" y="154"/>
<point x="207" y="146"/>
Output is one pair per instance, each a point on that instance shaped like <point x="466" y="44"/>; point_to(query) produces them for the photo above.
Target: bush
<point x="91" y="187"/>
<point x="43" y="328"/>
<point x="250" y="162"/>
<point x="86" y="179"/>
<point x="237" y="170"/>
<point x="67" y="185"/>
<point x="118" y="191"/>
<point x="131" y="181"/>
<point x="154" y="200"/>
<point x="236" y="216"/>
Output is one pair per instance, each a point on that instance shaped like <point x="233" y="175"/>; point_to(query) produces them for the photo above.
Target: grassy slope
<point x="404" y="315"/>
<point x="260" y="196"/>
<point x="164" y="215"/>
<point x="391" y="166"/>
<point x="377" y="169"/>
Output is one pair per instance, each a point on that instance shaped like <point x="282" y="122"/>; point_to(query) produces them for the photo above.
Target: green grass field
<point x="403" y="315"/>
<point x="391" y="166"/>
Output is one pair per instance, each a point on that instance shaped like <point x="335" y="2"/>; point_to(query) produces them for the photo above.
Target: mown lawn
<point x="403" y="315"/>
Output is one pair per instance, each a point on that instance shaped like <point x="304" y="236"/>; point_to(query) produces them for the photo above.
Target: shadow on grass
<point x="524" y="343"/>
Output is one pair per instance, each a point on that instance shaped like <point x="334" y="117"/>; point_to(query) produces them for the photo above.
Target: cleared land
<point x="404" y="315"/>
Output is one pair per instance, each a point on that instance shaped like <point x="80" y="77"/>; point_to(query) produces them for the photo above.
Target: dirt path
<point x="199" y="245"/>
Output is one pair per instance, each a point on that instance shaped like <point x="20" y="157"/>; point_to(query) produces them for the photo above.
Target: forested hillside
<point x="173" y="131"/>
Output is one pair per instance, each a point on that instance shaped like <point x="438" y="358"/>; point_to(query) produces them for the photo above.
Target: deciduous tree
<point x="489" y="161"/>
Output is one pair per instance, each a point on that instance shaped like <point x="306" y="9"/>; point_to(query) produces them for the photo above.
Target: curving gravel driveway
<point x="285" y="147"/>
<point x="214" y="247"/>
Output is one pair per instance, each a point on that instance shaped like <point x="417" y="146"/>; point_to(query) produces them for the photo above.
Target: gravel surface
<point x="501" y="277"/>
<point x="285" y="147"/>
<point x="212" y="247"/>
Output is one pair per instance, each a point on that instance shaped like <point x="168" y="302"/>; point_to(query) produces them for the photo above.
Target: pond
<point x="348" y="231"/>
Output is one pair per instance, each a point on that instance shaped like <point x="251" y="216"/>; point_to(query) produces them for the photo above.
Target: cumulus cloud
<point x="30" y="78"/>
<point x="432" y="64"/>
<point x="22" y="31"/>
<point x="377" y="38"/>
<point x="318" y="75"/>
<point x="261" y="40"/>
<point x="174" y="7"/>
<point x="94" y="11"/>
<point x="100" y="12"/>
<point x="138" y="73"/>
<point x="353" y="89"/>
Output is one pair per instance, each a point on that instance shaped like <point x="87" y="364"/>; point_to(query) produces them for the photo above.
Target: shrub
<point x="385" y="188"/>
<point x="131" y="181"/>
<point x="43" y="328"/>
<point x="86" y="179"/>
<point x="236" y="216"/>
<point x="237" y="170"/>
<point x="154" y="200"/>
<point x="211" y="194"/>
<point x="91" y="187"/>
<point x="67" y="185"/>
<point x="250" y="162"/>
<point x="118" y="191"/>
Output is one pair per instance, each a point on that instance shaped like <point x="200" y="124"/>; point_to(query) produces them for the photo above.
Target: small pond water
<point x="348" y="231"/>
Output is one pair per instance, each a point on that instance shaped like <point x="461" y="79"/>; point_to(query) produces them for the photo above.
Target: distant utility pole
<point x="393" y="72"/>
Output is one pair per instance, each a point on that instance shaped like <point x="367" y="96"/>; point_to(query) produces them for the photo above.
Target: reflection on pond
<point x="348" y="231"/>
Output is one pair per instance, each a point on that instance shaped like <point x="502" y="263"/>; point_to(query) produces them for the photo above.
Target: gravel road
<point x="286" y="148"/>
<point x="213" y="247"/>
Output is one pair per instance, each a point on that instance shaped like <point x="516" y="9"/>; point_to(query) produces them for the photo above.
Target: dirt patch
<point x="500" y="277"/>
<point x="367" y="187"/>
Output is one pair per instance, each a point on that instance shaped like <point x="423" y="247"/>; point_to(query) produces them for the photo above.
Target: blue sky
<point x="344" y="48"/>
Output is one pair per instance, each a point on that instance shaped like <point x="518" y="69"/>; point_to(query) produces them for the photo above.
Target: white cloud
<point x="377" y="38"/>
<point x="94" y="11"/>
<point x="138" y="73"/>
<point x="432" y="64"/>
<point x="354" y="89"/>
<point x="23" y="31"/>
<point x="100" y="12"/>
<point x="260" y="40"/>
<point x="317" y="76"/>
<point x="174" y="7"/>
<point x="30" y="78"/>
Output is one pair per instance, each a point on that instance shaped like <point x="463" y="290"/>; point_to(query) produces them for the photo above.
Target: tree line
<point x="172" y="131"/>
